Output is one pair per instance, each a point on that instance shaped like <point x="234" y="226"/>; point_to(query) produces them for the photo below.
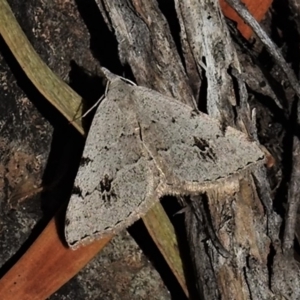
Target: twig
<point x="268" y="43"/>
<point x="294" y="188"/>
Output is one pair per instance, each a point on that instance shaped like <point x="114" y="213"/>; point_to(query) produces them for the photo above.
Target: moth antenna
<point x="91" y="108"/>
<point x="113" y="77"/>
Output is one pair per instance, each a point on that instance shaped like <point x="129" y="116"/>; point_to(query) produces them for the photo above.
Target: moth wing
<point x="192" y="150"/>
<point x="115" y="183"/>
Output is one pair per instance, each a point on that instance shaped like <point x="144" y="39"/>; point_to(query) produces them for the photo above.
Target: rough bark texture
<point x="245" y="223"/>
<point x="39" y="146"/>
<point x="182" y="49"/>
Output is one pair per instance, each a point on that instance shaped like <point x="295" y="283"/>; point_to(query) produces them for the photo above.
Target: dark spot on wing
<point x="201" y="143"/>
<point x="223" y="126"/>
<point x="206" y="151"/>
<point x="77" y="190"/>
<point x="73" y="243"/>
<point x="105" y="184"/>
<point x="84" y="161"/>
<point x="107" y="193"/>
<point x="194" y="113"/>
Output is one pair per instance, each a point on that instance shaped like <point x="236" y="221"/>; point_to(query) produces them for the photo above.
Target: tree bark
<point x="239" y="246"/>
<point x="245" y="223"/>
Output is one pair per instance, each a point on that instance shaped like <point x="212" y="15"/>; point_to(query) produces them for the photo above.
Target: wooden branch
<point x="239" y="221"/>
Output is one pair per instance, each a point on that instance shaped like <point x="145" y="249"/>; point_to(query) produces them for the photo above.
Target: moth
<point x="141" y="146"/>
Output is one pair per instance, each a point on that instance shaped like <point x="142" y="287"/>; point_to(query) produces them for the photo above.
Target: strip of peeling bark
<point x="240" y="221"/>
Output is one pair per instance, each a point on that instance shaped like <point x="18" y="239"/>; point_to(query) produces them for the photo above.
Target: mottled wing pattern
<point x="142" y="145"/>
<point x="116" y="181"/>
<point x="193" y="150"/>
